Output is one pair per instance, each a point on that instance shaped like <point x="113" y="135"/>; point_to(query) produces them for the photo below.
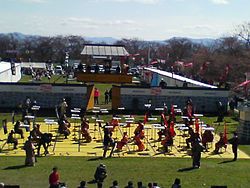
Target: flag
<point x="171" y="129"/>
<point x="203" y="68"/>
<point x="188" y="65"/>
<point x="225" y="134"/>
<point x="197" y="126"/>
<point x="172" y="113"/>
<point x="145" y="118"/>
<point x="164" y="120"/>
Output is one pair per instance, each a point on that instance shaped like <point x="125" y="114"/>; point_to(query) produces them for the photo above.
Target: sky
<point x="141" y="19"/>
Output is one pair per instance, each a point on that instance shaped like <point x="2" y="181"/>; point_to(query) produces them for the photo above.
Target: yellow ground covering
<point x="70" y="146"/>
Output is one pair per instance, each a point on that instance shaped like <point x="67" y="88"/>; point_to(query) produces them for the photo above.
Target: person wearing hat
<point x="100" y="173"/>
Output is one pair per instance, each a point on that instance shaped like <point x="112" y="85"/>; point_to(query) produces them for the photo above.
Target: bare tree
<point x="243" y="32"/>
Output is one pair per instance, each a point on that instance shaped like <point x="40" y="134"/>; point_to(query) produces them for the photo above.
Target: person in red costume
<point x="123" y="141"/>
<point x="139" y="136"/>
<point x="54" y="178"/>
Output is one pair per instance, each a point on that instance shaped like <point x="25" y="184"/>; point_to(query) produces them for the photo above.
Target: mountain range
<point x="110" y="40"/>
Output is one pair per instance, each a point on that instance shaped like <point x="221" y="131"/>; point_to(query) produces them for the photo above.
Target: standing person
<point x="96" y="96"/>
<point x="30" y="153"/>
<point x="110" y="95"/>
<point x="235" y="142"/>
<point x="108" y="141"/>
<point x="106" y="96"/>
<point x="63" y="107"/>
<point x="54" y="178"/>
<point x="196" y="151"/>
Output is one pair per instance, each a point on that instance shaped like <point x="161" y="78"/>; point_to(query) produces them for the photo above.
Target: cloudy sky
<point x="142" y="19"/>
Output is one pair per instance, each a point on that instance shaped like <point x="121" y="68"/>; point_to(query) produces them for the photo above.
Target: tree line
<point x="226" y="59"/>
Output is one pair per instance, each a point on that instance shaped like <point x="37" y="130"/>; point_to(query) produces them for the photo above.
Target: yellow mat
<point x="71" y="147"/>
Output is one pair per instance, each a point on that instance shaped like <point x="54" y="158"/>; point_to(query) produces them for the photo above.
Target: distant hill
<point x="111" y="40"/>
<point x="107" y="40"/>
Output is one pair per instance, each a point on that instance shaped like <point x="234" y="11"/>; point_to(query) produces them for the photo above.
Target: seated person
<point x="85" y="130"/>
<point x="64" y="126"/>
<point x="100" y="173"/>
<point x="221" y="143"/>
<point x="44" y="141"/>
<point x="35" y="133"/>
<point x="11" y="139"/>
<point x="139" y="140"/>
<point x="168" y="141"/>
<point x="17" y="129"/>
<point x="123" y="141"/>
<point x="207" y="136"/>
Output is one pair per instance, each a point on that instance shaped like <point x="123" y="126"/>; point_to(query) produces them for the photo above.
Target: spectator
<point x="88" y="69"/>
<point x="177" y="183"/>
<point x="155" y="185"/>
<point x="100" y="173"/>
<point x="150" y="185"/>
<point x="96" y="96"/>
<point x="110" y="94"/>
<point x="139" y="185"/>
<point x="106" y="96"/>
<point x="115" y="184"/>
<point x="118" y="70"/>
<point x="185" y="84"/>
<point x="54" y="178"/>
<point x="82" y="184"/>
<point x="162" y="84"/>
<point x="130" y="185"/>
<point x="80" y="67"/>
<point x="1" y="185"/>
<point x="96" y="68"/>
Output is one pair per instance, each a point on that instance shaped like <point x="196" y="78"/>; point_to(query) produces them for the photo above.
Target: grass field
<point x="146" y="169"/>
<point x="160" y="170"/>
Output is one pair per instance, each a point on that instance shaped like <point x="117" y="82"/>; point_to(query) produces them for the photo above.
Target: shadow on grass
<point x="227" y="161"/>
<point x="15" y="167"/>
<point x="186" y="169"/>
<point x="95" y="159"/>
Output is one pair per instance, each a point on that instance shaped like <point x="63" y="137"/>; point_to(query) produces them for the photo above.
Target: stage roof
<point x="178" y="77"/>
<point x="104" y="50"/>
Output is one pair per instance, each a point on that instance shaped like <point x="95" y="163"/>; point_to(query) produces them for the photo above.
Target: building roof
<point x="104" y="50"/>
<point x="180" y="78"/>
